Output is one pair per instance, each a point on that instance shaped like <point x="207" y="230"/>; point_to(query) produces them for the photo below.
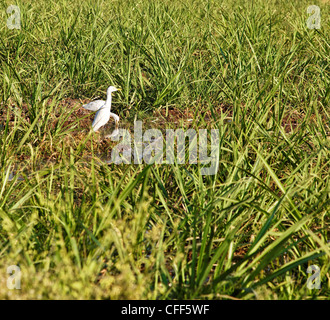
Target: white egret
<point x="103" y="108"/>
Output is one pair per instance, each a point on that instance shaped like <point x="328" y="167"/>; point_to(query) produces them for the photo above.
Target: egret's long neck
<point x="108" y="101"/>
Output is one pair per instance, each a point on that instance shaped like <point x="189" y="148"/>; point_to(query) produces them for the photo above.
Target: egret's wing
<point x="101" y="118"/>
<point x="97" y="119"/>
<point x="94" y="105"/>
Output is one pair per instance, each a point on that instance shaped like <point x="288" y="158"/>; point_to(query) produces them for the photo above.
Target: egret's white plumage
<point x="94" y="105"/>
<point x="103" y="108"/>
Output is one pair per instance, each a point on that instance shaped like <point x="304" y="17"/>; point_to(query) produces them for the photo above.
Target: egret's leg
<point x="116" y="118"/>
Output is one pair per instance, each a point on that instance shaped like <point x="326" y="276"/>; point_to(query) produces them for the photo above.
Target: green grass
<point x="81" y="229"/>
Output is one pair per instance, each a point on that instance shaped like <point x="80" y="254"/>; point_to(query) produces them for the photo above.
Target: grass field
<point x="79" y="228"/>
